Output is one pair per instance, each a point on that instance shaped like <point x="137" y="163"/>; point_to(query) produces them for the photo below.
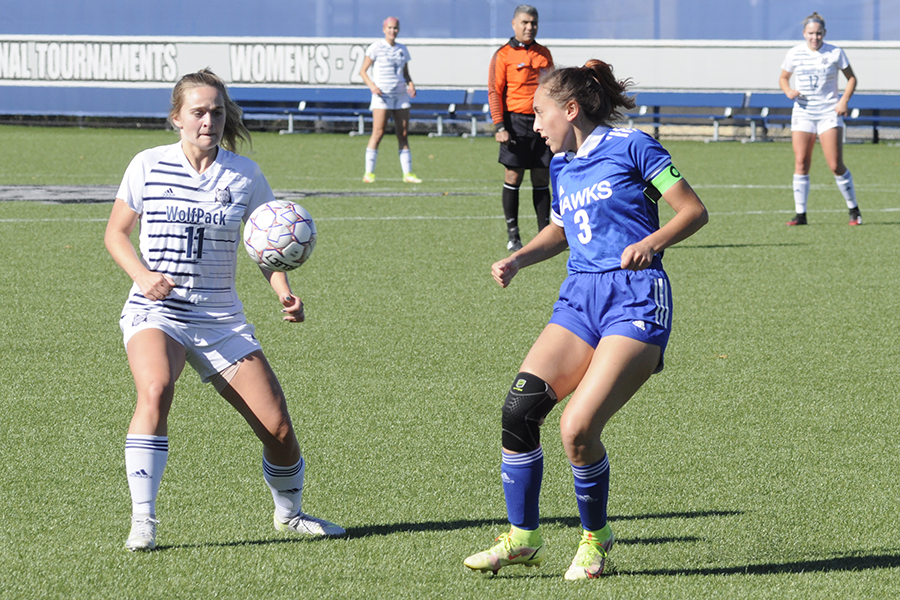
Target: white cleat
<point x="309" y="525"/>
<point x="143" y="534"/>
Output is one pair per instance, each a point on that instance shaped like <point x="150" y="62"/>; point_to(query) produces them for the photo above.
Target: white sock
<point x="801" y="193"/>
<point x="145" y="461"/>
<point x="371" y="156"/>
<point x="286" y="484"/>
<point x="406" y="161"/>
<point x="845" y="184"/>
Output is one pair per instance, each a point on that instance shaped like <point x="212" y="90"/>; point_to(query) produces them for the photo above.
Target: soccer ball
<point x="280" y="235"/>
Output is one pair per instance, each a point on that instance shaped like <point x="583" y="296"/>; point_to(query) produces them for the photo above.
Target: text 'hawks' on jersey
<point x="604" y="195"/>
<point x="190" y="228"/>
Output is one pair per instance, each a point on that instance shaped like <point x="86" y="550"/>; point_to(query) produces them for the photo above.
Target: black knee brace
<point x="530" y="399"/>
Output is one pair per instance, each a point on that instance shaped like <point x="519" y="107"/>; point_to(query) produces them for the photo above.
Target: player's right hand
<point x="502" y="137"/>
<point x="504" y="270"/>
<point x="155" y="286"/>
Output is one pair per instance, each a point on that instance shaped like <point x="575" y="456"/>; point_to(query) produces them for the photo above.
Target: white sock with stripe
<point x="845" y="184"/>
<point x="801" y="193"/>
<point x="406" y="161"/>
<point x="145" y="461"/>
<point x="371" y="157"/>
<point x="286" y="484"/>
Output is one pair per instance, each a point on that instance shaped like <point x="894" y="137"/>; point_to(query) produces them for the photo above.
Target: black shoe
<point x="514" y="244"/>
<point x="855" y="217"/>
<point x="799" y="219"/>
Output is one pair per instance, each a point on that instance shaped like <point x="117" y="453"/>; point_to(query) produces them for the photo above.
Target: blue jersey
<point x="598" y="196"/>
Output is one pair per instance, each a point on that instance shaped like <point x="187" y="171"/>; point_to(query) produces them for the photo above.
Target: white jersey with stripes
<point x="190" y="225"/>
<point x="387" y="69"/>
<point x="816" y="77"/>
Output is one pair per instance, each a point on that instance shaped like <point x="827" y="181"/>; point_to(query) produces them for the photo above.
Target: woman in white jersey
<point x="611" y="324"/>
<point x="392" y="88"/>
<point x="190" y="199"/>
<point x="819" y="110"/>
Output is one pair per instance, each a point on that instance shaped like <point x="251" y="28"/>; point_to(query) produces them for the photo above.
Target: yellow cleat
<point x="508" y="552"/>
<point x="591" y="557"/>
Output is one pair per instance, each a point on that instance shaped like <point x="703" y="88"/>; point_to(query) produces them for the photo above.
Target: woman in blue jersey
<point x="392" y="90"/>
<point x="610" y="326"/>
<point x="190" y="199"/>
<point x="819" y="110"/>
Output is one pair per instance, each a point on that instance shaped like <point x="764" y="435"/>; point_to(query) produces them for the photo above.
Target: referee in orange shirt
<point x="512" y="81"/>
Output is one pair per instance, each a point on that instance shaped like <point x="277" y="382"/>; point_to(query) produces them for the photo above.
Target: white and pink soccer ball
<point x="280" y="235"/>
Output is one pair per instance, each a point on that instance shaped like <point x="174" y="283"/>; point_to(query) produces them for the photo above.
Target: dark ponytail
<point x="593" y="87"/>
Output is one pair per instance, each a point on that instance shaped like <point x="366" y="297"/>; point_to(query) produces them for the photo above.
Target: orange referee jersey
<point x="513" y="77"/>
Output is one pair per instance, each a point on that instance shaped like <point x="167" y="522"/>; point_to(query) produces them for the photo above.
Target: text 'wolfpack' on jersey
<point x="190" y="229"/>
<point x="599" y="197"/>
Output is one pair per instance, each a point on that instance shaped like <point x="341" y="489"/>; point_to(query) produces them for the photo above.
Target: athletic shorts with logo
<point x="802" y="120"/>
<point x="633" y="304"/>
<point x="210" y="349"/>
<point x="390" y="101"/>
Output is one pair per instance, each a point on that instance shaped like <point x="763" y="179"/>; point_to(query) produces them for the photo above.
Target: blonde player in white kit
<point x="190" y="198"/>
<point x="819" y="110"/>
<point x="392" y="90"/>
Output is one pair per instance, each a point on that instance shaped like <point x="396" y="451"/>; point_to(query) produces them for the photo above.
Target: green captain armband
<point x="666" y="178"/>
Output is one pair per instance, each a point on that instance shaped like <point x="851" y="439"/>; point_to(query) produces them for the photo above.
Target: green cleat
<point x="369" y="178"/>
<point x="508" y="551"/>
<point x="411" y="178"/>
<point x="592" y="554"/>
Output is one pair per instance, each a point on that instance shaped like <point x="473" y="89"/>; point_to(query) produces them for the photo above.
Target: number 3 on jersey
<point x="582" y="220"/>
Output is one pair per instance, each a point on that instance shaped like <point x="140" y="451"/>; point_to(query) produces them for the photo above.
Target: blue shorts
<point x="634" y="304"/>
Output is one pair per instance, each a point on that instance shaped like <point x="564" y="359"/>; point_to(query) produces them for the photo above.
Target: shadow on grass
<point x="393" y="528"/>
<point x="825" y="565"/>
<point x="565" y="521"/>
<point x="718" y="246"/>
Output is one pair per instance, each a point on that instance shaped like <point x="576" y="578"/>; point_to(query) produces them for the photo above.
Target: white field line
<point x="472" y="218"/>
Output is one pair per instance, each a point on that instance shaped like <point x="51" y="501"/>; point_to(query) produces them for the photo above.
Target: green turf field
<point x="761" y="463"/>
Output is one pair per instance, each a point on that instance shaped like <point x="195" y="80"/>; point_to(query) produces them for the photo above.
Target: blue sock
<point x="521" y="475"/>
<point x="592" y="491"/>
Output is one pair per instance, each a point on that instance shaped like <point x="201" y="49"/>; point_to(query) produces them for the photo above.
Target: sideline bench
<point x="875" y="109"/>
<point x="767" y="109"/>
<point x="475" y="110"/>
<point x="682" y="109"/>
<point x="757" y="110"/>
<point x="341" y="105"/>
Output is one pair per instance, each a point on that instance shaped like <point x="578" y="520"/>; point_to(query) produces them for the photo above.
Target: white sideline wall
<point x="157" y="62"/>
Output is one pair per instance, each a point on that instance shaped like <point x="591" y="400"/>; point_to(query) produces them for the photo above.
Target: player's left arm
<point x="410" y="86"/>
<point x="842" y="106"/>
<point x="293" y="305"/>
<point x="690" y="216"/>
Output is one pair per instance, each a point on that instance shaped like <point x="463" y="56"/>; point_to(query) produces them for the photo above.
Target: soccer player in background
<point x="609" y="328"/>
<point x="190" y="198"/>
<point x="392" y="90"/>
<point x="512" y="80"/>
<point x="818" y="110"/>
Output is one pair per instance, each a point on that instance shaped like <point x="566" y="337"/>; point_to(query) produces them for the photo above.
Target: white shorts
<point x="209" y="349"/>
<point x="802" y="121"/>
<point x="390" y="101"/>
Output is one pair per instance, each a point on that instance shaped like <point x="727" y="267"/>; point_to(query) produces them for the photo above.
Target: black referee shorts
<point x="525" y="149"/>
